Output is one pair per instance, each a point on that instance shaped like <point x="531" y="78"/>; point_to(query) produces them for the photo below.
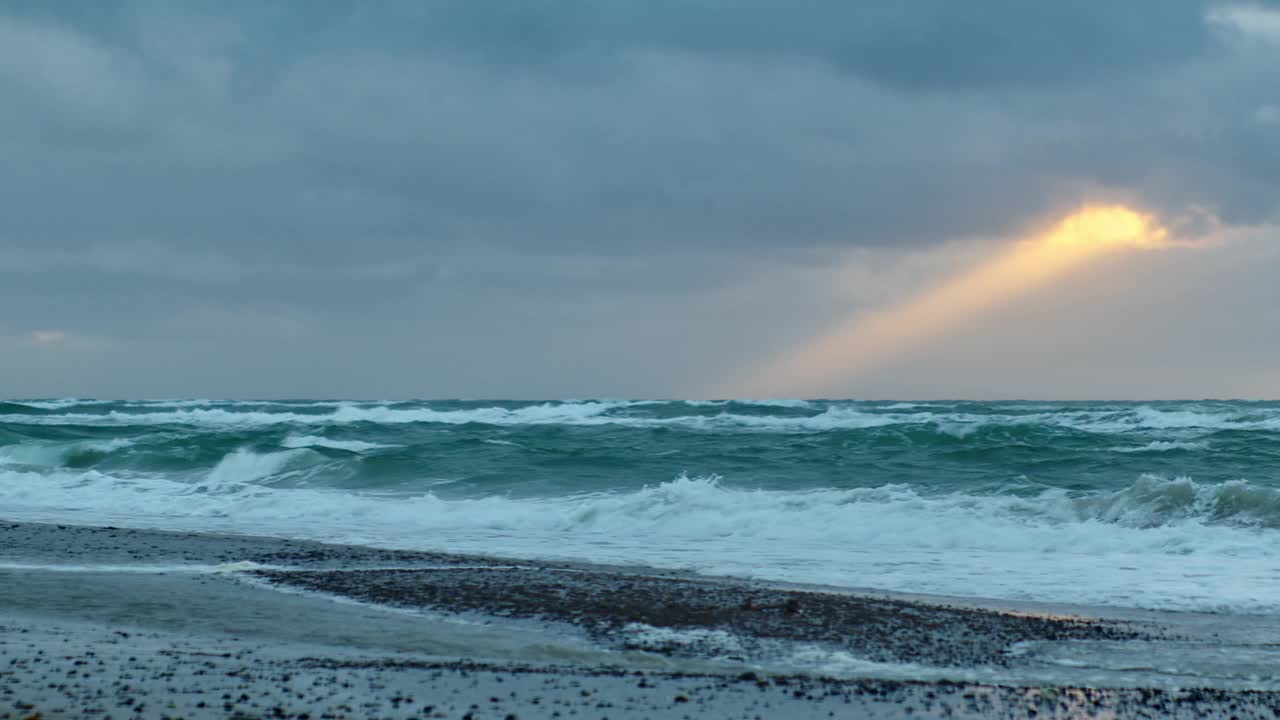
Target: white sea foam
<point x="106" y="446"/>
<point x="1148" y="418"/>
<point x="137" y="568"/>
<point x="588" y="412"/>
<point x="908" y="405"/>
<point x="1163" y="446"/>
<point x="700" y="641"/>
<point x="241" y="566"/>
<point x="779" y="403"/>
<point x="244" y="467"/>
<point x="828" y="662"/>
<point x="1160" y="543"/>
<point x="61" y="403"/>
<point x="1193" y="419"/>
<point x="357" y="446"/>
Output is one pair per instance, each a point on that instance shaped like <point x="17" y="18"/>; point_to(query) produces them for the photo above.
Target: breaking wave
<point x="1170" y="505"/>
<point x="312" y="441"/>
<point x="751" y="416"/>
<point x="1168" y="543"/>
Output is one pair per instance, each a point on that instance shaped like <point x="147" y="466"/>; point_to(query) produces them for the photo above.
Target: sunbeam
<point x="867" y="341"/>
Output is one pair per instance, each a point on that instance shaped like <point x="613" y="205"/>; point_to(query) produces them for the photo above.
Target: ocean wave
<point x="833" y="418"/>
<point x="1163" y="446"/>
<point x="58" y="404"/>
<point x="349" y="413"/>
<point x="16" y="408"/>
<point x="1145" y="417"/>
<point x="32" y="454"/>
<point x="243" y="468"/>
<point x="53" y="454"/>
<point x="1154" y="501"/>
<point x="777" y="403"/>
<point x="908" y="405"/>
<point x="1158" y="543"/>
<point x="593" y="412"/>
<point x="311" y="441"/>
<point x="790" y="416"/>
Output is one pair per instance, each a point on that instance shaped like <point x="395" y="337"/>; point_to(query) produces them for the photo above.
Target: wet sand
<point x="105" y="622"/>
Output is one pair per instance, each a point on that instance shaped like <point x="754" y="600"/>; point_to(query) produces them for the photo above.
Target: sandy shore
<point x="105" y="622"/>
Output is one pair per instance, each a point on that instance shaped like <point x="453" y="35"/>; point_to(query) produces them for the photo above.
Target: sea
<point x="1155" y="505"/>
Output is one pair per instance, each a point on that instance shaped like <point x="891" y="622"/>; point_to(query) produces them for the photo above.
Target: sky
<point x="617" y="198"/>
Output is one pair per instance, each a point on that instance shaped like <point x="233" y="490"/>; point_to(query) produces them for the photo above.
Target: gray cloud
<point x="912" y="45"/>
<point x="587" y="123"/>
<point x="350" y="160"/>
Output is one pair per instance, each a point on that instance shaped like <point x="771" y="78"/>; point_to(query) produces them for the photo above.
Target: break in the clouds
<point x="481" y="197"/>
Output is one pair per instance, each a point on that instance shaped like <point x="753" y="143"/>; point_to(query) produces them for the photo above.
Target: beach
<point x="464" y="359"/>
<point x="111" y="622"/>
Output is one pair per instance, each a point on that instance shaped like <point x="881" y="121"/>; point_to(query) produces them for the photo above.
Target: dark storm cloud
<point x="264" y="127"/>
<point x="912" y="44"/>
<point x="909" y="43"/>
<point x="301" y="158"/>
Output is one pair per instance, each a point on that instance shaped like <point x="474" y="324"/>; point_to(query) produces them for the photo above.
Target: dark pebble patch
<point x="603" y="601"/>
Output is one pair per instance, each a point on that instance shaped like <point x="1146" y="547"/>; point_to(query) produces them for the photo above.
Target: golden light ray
<point x="867" y="341"/>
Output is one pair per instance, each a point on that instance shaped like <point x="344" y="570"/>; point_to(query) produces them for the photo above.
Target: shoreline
<point x="193" y="617"/>
<point x="67" y="670"/>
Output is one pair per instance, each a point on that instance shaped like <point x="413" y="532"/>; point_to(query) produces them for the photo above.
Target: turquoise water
<point x="1147" y="504"/>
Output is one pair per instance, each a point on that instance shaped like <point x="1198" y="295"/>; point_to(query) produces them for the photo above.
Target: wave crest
<point x="1158" y="543"/>
<point x="958" y="420"/>
<point x="1154" y="501"/>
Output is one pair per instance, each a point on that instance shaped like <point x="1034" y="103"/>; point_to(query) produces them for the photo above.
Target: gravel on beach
<point x="113" y="623"/>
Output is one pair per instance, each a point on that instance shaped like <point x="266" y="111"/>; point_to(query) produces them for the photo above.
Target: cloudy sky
<point x="496" y="198"/>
